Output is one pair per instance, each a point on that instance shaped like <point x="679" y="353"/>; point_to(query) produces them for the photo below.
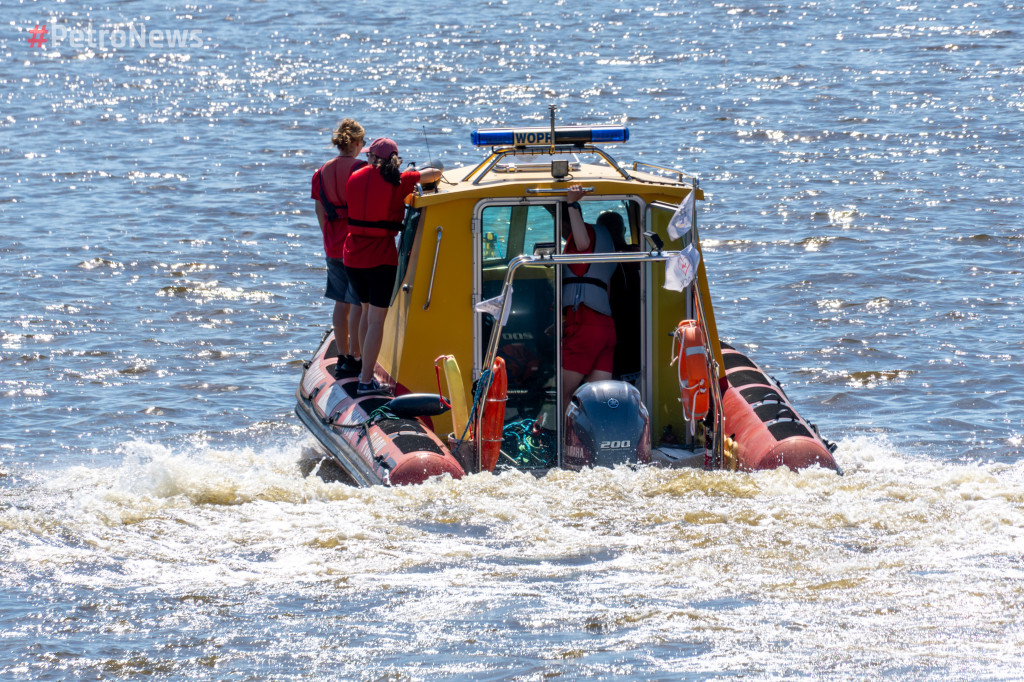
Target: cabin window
<point x="625" y="288"/>
<point x="510" y="231"/>
<point x="627" y="210"/>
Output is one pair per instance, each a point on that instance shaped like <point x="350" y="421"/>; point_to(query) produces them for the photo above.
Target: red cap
<point x="383" y="148"/>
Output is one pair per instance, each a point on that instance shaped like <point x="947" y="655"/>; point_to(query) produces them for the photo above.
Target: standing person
<point x="376" y="199"/>
<point x="329" y="183"/>
<point x="588" y="339"/>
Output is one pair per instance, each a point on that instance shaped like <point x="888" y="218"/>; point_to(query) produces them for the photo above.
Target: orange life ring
<point x="694" y="381"/>
<point x="493" y="420"/>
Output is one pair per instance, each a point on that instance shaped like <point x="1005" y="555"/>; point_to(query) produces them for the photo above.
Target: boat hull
<point x="382" y="450"/>
<point x="765" y="426"/>
<point x="377" y="449"/>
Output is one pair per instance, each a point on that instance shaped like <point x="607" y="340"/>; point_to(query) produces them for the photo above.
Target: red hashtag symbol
<point x="38" y="38"/>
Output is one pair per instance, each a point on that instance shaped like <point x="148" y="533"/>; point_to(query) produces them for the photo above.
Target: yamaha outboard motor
<point x="606" y="424"/>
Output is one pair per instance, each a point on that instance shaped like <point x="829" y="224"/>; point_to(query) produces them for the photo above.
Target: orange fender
<point x="694" y="380"/>
<point x="493" y="420"/>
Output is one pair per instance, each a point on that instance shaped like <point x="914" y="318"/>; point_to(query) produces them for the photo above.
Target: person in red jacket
<point x="329" y="182"/>
<point x="376" y="209"/>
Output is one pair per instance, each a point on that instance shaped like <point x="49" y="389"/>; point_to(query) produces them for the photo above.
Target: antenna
<point x="552" y="107"/>
<point x="430" y="159"/>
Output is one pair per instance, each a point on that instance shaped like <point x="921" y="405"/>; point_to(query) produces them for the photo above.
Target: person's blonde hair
<point x="347" y="134"/>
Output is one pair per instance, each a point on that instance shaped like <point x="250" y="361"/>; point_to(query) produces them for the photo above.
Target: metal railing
<point x="499" y="153"/>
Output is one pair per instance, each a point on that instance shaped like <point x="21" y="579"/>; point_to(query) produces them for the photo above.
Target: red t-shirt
<point x="335" y="174"/>
<point x="371" y="197"/>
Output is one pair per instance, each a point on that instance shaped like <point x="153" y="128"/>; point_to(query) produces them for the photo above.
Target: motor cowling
<point x="606" y="424"/>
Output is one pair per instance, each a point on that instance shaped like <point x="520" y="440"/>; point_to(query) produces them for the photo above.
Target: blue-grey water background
<point x="160" y="285"/>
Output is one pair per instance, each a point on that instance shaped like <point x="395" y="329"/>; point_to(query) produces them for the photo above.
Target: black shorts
<point x="373" y="285"/>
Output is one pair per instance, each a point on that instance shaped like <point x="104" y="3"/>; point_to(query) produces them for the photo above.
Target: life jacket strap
<point x="332" y="211"/>
<point x="373" y="227"/>
<point x="585" y="280"/>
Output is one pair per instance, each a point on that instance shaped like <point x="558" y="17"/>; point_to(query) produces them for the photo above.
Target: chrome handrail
<point x="681" y="174"/>
<point x="433" y="269"/>
<point x="498" y="153"/>
<point x="553" y="190"/>
<point x="558" y="259"/>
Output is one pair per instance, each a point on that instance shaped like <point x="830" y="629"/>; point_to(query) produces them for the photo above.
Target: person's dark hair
<point x="347" y="134"/>
<point x="616" y="227"/>
<point x="390" y="169"/>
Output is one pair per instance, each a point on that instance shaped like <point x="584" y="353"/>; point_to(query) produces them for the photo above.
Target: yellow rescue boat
<point x="476" y="323"/>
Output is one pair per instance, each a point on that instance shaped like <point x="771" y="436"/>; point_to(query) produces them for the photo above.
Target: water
<point x="160" y="281"/>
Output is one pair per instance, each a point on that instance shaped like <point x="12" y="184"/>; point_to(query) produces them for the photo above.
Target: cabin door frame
<point x="666" y="310"/>
<point x="526" y="222"/>
<point x="489" y="247"/>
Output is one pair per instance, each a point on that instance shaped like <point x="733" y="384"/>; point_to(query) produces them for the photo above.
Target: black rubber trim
<point x="414" y="443"/>
<point x="746" y="377"/>
<point x="734" y="360"/>
<point x="757" y="394"/>
<point x="769" y="411"/>
<point x="787" y="429"/>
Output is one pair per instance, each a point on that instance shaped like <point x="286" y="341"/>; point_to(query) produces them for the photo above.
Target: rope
<point x="527" y="444"/>
<point x="484" y="380"/>
<point x="690" y="417"/>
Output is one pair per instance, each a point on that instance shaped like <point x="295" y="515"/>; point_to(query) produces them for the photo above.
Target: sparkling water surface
<point x="161" y="279"/>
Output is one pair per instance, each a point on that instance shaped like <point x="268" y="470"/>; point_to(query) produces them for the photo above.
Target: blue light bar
<point x="609" y="134"/>
<point x="528" y="137"/>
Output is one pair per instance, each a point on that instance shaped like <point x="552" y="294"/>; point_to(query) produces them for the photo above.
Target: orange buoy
<point x="694" y="381"/>
<point x="493" y="420"/>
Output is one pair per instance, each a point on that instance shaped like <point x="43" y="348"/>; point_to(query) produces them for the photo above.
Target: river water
<point x="160" y="285"/>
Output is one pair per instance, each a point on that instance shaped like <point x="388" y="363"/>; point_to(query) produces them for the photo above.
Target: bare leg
<point x="372" y="341"/>
<point x="570" y="382"/>
<point x="355" y="315"/>
<point x="341" y="328"/>
<point x="364" y="318"/>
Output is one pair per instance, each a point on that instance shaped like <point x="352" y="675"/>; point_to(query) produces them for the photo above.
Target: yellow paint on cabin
<point x="414" y="337"/>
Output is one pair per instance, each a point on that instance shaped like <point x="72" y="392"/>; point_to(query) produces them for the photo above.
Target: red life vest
<point x="346" y="165"/>
<point x="376" y="208"/>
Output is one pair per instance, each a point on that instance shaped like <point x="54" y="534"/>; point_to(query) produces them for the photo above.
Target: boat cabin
<point x="480" y="276"/>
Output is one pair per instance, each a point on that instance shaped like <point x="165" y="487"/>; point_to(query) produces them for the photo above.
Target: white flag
<point x="492" y="307"/>
<point x="682" y="219"/>
<point x="682" y="268"/>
